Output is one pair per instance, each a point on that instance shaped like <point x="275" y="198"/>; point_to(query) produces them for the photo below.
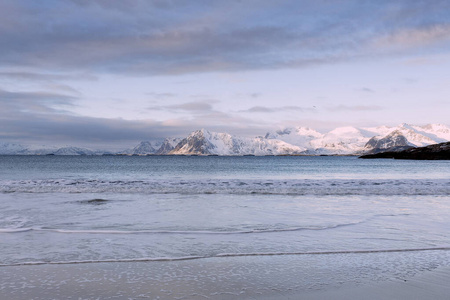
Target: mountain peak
<point x="290" y="140"/>
<point x="407" y="126"/>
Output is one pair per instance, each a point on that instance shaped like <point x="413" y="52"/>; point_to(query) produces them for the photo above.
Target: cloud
<point x="265" y="109"/>
<point x="51" y="51"/>
<point x="414" y="37"/>
<point x="41" y="117"/>
<point x="367" y="90"/>
<point x="81" y="130"/>
<point x="47" y="81"/>
<point x="193" y="107"/>
<point x="36" y="76"/>
<point x="116" y="134"/>
<point x="164" y="38"/>
<point x="33" y="102"/>
<point x="355" y="108"/>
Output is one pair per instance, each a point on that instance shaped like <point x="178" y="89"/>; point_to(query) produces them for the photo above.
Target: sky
<point x="103" y="73"/>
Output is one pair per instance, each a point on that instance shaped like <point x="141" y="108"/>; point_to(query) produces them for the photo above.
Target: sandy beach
<point x="429" y="285"/>
<point x="267" y="278"/>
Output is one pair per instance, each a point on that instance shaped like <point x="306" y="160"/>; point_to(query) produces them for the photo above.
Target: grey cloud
<point x="33" y="102"/>
<point x="154" y="37"/>
<point x="414" y="37"/>
<point x="193" y="107"/>
<point x="53" y="129"/>
<point x="220" y="122"/>
<point x="39" y="117"/>
<point x="367" y="90"/>
<point x="47" y="81"/>
<point x="64" y="88"/>
<point x="248" y="95"/>
<point x="57" y="129"/>
<point x="34" y="76"/>
<point x="264" y="109"/>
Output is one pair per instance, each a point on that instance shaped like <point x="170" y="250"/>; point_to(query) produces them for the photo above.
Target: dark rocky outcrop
<point x="391" y="149"/>
<point x="395" y="141"/>
<point x="432" y="152"/>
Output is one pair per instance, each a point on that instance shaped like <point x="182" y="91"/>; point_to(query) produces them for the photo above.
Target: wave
<point x="14" y="230"/>
<point x="96" y="201"/>
<point x="227" y="255"/>
<point x="196" y="232"/>
<point x="234" y="186"/>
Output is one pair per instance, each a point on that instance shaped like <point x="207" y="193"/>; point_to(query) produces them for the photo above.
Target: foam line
<point x="200" y="232"/>
<point x="234" y="186"/>
<point x="225" y="255"/>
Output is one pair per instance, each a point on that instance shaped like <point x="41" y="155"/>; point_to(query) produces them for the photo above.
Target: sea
<point x="353" y="219"/>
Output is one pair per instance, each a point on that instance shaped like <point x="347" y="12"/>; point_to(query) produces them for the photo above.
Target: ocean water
<point x="85" y="209"/>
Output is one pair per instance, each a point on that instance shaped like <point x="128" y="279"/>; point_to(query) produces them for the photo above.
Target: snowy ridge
<point x="289" y="141"/>
<point x="301" y="140"/>
<point x="168" y="145"/>
<point x="9" y="148"/>
<point x="143" y="148"/>
<point x="393" y="139"/>
<point x="14" y="149"/>
<point x="152" y="147"/>
<point x="342" y="140"/>
<point x="204" y="142"/>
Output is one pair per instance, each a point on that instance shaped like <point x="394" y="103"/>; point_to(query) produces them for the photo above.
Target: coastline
<point x="250" y="278"/>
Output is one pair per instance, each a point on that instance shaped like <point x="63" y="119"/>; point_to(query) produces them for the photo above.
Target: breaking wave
<point x="196" y="232"/>
<point x="225" y="255"/>
<point x="233" y="186"/>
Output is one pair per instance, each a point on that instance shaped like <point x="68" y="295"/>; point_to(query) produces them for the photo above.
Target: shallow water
<point x="56" y="209"/>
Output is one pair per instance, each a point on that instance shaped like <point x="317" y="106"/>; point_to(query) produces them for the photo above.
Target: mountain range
<point x="289" y="141"/>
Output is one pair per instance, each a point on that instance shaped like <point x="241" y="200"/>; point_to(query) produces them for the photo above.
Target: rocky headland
<point x="432" y="152"/>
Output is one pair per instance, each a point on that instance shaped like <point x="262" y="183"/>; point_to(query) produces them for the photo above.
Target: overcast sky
<point x="105" y="73"/>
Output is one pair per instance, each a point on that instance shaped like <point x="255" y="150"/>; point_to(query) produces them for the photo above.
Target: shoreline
<point x="266" y="278"/>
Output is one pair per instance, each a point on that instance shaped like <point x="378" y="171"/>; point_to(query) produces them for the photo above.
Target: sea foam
<point x="234" y="186"/>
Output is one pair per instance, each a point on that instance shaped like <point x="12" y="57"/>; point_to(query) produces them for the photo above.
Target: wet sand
<point x="265" y="278"/>
<point x="428" y="285"/>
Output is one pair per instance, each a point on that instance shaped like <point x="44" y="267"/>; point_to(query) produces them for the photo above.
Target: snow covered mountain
<point x="409" y="135"/>
<point x="204" y="142"/>
<point x="168" y="145"/>
<point x="143" y="148"/>
<point x="14" y="149"/>
<point x="153" y="147"/>
<point x="301" y="140"/>
<point x="342" y="140"/>
<point x="289" y="141"/>
<point x="301" y="137"/>
<point x="11" y="149"/>
<point x="73" y="151"/>
<point x="393" y="139"/>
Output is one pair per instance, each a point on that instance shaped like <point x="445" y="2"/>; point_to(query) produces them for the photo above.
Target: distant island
<point x="432" y="152"/>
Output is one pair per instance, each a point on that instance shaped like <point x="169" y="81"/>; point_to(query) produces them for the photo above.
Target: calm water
<point x="57" y="209"/>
